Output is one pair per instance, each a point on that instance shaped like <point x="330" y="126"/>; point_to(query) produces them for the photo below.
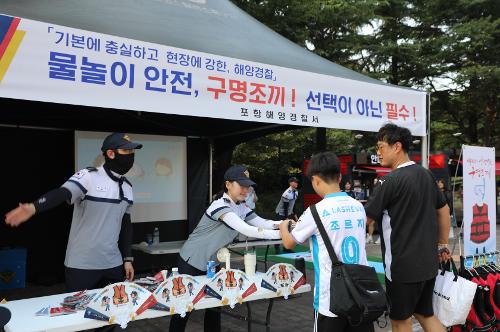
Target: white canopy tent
<point x="191" y="67"/>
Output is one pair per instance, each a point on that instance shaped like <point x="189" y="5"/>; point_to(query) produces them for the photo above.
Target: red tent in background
<point x="350" y="169"/>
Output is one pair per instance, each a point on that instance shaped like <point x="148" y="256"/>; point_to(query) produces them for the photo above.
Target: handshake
<point x="288" y="224"/>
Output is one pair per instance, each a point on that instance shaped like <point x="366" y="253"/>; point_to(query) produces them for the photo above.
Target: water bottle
<point x="175" y="271"/>
<point x="156" y="235"/>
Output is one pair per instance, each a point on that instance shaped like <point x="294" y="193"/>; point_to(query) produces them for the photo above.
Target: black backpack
<point x="355" y="291"/>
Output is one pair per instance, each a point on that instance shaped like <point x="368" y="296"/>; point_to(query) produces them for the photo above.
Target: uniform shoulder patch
<point x="80" y="174"/>
<point x="91" y="169"/>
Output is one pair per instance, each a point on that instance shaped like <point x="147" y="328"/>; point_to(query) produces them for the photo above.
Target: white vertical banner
<point x="479" y="201"/>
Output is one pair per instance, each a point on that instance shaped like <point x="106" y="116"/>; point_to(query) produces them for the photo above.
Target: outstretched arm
<point x="233" y="221"/>
<point x="264" y="223"/>
<point x="48" y="201"/>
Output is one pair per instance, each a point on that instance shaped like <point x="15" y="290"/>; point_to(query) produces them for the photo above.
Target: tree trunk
<point x="491" y="117"/>
<point x="320" y="139"/>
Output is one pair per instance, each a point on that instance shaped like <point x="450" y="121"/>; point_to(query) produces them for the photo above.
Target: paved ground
<point x="295" y="313"/>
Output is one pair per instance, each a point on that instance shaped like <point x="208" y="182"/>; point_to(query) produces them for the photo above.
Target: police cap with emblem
<point x="117" y="141"/>
<point x="239" y="174"/>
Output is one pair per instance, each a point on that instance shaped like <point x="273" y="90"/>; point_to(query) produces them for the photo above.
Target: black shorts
<point x="407" y="299"/>
<point x="337" y="324"/>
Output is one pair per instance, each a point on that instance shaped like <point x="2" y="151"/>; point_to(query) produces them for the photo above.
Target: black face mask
<point x="121" y="164"/>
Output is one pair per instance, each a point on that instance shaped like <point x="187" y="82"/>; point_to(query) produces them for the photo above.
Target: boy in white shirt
<point x="344" y="219"/>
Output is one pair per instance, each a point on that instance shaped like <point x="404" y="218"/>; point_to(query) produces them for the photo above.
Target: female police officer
<point x="221" y="223"/>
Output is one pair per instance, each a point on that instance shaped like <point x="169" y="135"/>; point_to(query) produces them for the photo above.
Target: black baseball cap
<point x="293" y="179"/>
<point x="4" y="316"/>
<point x="116" y="141"/>
<point x="239" y="174"/>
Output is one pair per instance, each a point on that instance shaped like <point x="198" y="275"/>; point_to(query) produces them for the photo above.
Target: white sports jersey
<point x="344" y="220"/>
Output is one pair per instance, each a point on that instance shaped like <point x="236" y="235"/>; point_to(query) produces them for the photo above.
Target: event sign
<point x="52" y="63"/>
<point x="479" y="200"/>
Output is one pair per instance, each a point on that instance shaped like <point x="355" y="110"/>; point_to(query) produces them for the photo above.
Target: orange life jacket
<point x="230" y="279"/>
<point x="179" y="287"/>
<point x="282" y="275"/>
<point x="119" y="297"/>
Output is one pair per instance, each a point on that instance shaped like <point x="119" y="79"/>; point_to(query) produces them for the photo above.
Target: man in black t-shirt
<point x="414" y="220"/>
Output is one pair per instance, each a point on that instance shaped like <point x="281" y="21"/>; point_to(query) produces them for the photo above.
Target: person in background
<point x="251" y="198"/>
<point x="371" y="226"/>
<point x="99" y="246"/>
<point x="220" y="224"/>
<point x="324" y="172"/>
<point x="449" y="199"/>
<point x="414" y="220"/>
<point x="285" y="207"/>
<point x="348" y="189"/>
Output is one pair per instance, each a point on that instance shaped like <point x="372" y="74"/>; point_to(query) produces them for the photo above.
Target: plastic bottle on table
<point x="156" y="235"/>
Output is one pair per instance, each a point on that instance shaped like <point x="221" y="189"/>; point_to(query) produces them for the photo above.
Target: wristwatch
<point x="128" y="259"/>
<point x="443" y="248"/>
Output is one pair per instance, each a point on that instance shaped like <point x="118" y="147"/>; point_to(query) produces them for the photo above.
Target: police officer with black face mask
<point x="100" y="239"/>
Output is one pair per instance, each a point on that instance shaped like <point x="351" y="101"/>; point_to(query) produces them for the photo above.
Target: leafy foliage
<point x="450" y="49"/>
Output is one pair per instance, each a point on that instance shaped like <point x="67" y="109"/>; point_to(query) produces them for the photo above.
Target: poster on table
<point x="119" y="303"/>
<point x="230" y="287"/>
<point x="47" y="62"/>
<point x="479" y="204"/>
<point x="283" y="279"/>
<point x="178" y="294"/>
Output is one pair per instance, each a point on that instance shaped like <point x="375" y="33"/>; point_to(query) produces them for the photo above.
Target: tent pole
<point x="210" y="169"/>
<point x="427" y="136"/>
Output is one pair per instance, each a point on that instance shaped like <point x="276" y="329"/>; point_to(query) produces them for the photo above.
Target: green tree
<point x="450" y="50"/>
<point x="329" y="27"/>
<point x="469" y="102"/>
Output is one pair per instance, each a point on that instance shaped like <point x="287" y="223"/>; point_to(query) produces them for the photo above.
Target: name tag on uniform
<point x="101" y="188"/>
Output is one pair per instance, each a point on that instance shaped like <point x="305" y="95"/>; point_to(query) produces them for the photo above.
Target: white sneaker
<point x="369" y="239"/>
